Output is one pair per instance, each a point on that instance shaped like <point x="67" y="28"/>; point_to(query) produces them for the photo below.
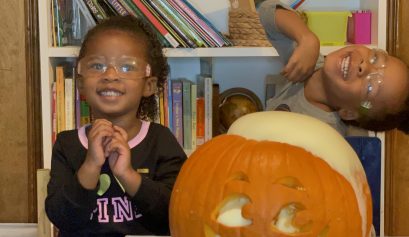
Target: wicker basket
<point x="245" y="29"/>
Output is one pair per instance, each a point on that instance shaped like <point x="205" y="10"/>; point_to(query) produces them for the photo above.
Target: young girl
<point x="353" y="85"/>
<point x="114" y="177"/>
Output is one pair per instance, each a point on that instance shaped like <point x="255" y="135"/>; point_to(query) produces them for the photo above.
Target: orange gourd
<point x="237" y="187"/>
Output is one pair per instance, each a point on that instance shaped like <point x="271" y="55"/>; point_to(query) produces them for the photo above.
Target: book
<point x="108" y="8"/>
<point x="200" y="121"/>
<point x="177" y="110"/>
<point x="215" y="109"/>
<point x="85" y="112"/>
<point x="187" y="113"/>
<point x="205" y="91"/>
<point x="128" y="8"/>
<point x="171" y="22"/>
<point x="170" y="104"/>
<point x="57" y="24"/>
<point x="208" y="95"/>
<point x="165" y="104"/>
<point x="54" y="112"/>
<point x="97" y="12"/>
<point x="69" y="99"/>
<point x="161" y="108"/>
<point x="194" y="23"/>
<point x="121" y="10"/>
<point x="194" y="11"/>
<point x="177" y="23"/>
<point x="60" y="98"/>
<point x="82" y="21"/>
<point x="131" y="8"/>
<point x="178" y="38"/>
<point x="154" y="21"/>
<point x="193" y="93"/>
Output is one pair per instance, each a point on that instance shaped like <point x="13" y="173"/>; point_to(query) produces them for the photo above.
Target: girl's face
<point x="356" y="77"/>
<point x="115" y="74"/>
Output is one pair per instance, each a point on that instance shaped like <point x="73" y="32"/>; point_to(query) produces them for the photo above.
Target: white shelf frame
<point x="48" y="54"/>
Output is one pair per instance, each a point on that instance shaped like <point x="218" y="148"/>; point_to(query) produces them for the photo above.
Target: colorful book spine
<point x="177" y="104"/>
<point x="200" y="121"/>
<point x="195" y="27"/>
<point x="85" y="112"/>
<point x="60" y="98"/>
<point x="96" y="11"/>
<point x="77" y="109"/>
<point x="181" y="23"/>
<point x="215" y="109"/>
<point x="69" y="103"/>
<point x="156" y="23"/>
<point x="165" y="24"/>
<point x="198" y="20"/>
<point x="128" y="8"/>
<point x="86" y="13"/>
<point x="173" y="23"/>
<point x="165" y="104"/>
<point x="115" y="4"/>
<point x="187" y="113"/>
<point x="170" y="105"/>
<point x="58" y="25"/>
<point x="54" y="112"/>
<point x="161" y="108"/>
<point x="193" y="93"/>
<point x="208" y="95"/>
<point x="205" y="92"/>
<point x="135" y="12"/>
<point x="190" y="6"/>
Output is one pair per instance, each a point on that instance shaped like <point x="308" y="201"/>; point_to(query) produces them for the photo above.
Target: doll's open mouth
<point x="110" y="93"/>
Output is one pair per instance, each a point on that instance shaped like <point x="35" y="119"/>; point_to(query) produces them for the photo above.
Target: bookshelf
<point x="231" y="67"/>
<point x="228" y="64"/>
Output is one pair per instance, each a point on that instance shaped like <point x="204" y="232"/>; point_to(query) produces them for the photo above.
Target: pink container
<point x="359" y="27"/>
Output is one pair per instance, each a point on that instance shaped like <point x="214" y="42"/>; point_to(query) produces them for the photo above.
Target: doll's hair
<point x="159" y="66"/>
<point x="388" y="121"/>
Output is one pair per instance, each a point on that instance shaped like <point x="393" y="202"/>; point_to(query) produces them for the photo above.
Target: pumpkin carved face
<point x="233" y="186"/>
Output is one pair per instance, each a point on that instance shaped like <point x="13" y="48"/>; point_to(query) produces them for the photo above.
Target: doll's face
<point x="117" y="89"/>
<point x="347" y="73"/>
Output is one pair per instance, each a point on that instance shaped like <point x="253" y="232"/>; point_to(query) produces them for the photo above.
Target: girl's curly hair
<point x="156" y="59"/>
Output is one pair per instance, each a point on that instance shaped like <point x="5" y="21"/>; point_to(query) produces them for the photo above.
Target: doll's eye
<point x="127" y="68"/>
<point x="97" y="66"/>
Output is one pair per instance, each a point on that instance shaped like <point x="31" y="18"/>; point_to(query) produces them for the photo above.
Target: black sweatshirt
<point x="76" y="211"/>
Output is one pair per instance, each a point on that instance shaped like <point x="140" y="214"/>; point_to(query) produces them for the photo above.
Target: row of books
<point x="68" y="110"/>
<point x="176" y="22"/>
<point x="185" y="106"/>
<point x="189" y="109"/>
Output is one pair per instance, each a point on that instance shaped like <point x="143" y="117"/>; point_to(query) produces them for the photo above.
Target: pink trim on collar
<point x="132" y="143"/>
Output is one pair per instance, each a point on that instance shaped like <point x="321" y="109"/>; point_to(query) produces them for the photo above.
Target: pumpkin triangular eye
<point x="230" y="213"/>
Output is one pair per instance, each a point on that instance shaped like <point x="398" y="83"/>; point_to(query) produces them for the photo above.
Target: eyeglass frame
<point x="113" y="62"/>
<point x="377" y="75"/>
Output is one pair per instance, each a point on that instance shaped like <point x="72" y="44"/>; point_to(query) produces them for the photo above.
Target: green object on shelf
<point x="329" y="26"/>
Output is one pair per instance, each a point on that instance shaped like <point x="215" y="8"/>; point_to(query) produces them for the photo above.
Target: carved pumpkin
<point x="275" y="174"/>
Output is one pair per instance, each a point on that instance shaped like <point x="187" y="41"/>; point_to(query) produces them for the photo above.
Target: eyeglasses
<point x="373" y="80"/>
<point x="126" y="67"/>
